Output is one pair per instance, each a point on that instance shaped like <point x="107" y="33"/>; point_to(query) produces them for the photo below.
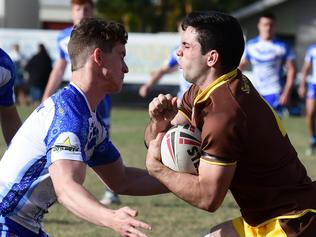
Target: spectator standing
<point x="38" y="68"/>
<point x="20" y="85"/>
<point x="269" y="58"/>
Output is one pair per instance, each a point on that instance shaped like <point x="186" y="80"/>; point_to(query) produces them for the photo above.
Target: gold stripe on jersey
<point x="185" y="115"/>
<point x="204" y="95"/>
<point x="217" y="161"/>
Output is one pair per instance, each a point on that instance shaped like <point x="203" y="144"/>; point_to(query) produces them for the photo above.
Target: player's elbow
<point x="210" y="204"/>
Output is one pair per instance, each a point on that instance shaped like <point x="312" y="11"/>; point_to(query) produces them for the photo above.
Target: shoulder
<point x="312" y="48"/>
<point x="64" y="33"/>
<point x="253" y="41"/>
<point x="7" y="69"/>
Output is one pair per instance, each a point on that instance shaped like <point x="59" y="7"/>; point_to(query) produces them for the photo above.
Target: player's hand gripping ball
<point x="181" y="149"/>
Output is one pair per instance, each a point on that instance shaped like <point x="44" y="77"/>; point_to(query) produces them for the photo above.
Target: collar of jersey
<point x="83" y="95"/>
<point x="204" y="94"/>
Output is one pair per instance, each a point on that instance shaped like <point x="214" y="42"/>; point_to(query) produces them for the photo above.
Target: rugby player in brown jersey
<point x="245" y="147"/>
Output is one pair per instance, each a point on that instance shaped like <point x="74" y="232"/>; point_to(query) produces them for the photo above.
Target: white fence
<point x="145" y="52"/>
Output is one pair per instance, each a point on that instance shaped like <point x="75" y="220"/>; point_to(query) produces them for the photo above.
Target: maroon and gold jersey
<point x="239" y="127"/>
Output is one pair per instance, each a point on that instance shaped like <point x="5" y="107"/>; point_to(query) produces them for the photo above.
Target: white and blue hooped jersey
<point x="63" y="127"/>
<point x="171" y="62"/>
<point x="7" y="78"/>
<point x="267" y="59"/>
<point x="310" y="57"/>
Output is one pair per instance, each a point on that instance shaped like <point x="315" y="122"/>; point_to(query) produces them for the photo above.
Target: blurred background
<point x="152" y="26"/>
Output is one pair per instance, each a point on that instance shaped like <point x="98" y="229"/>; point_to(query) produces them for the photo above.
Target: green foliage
<point x="159" y="15"/>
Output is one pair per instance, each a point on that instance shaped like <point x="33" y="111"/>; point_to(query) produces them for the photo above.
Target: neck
<point x="84" y="82"/>
<point x="210" y="77"/>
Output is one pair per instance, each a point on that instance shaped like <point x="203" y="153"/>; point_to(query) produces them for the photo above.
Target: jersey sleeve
<point x="223" y="133"/>
<point x="67" y="146"/>
<point x="222" y="136"/>
<point x="172" y="60"/>
<point x="187" y="102"/>
<point x="290" y="55"/>
<point x="7" y="78"/>
<point x="309" y="56"/>
<point x="104" y="153"/>
<point x="245" y="54"/>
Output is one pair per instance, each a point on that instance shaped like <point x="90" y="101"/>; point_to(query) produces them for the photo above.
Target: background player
<point x="170" y="66"/>
<point x="308" y="89"/>
<point x="61" y="71"/>
<point x="9" y="117"/>
<point x="268" y="57"/>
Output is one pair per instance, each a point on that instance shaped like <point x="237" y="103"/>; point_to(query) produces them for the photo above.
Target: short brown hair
<point x="92" y="33"/>
<point x="81" y="2"/>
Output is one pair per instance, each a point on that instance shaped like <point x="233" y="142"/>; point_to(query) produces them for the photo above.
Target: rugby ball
<point x="181" y="149"/>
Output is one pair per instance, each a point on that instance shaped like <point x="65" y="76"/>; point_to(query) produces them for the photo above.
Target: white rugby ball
<point x="181" y="149"/>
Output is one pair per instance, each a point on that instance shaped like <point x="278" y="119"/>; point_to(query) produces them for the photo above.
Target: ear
<point x="97" y="56"/>
<point x="212" y="58"/>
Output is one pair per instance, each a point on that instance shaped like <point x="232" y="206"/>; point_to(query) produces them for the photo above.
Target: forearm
<point x="185" y="186"/>
<point x="139" y="183"/>
<point x="10" y="122"/>
<point x="153" y="128"/>
<point x="76" y="199"/>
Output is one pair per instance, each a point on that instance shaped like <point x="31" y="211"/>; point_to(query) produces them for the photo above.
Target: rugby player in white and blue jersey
<point x="9" y="117"/>
<point x="307" y="89"/>
<point x="269" y="57"/>
<point x="61" y="71"/>
<point x="48" y="157"/>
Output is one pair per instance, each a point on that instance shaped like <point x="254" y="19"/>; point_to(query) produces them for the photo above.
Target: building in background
<point x="296" y="22"/>
<point x="35" y="14"/>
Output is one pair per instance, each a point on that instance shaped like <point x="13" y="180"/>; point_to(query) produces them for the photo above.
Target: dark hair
<point x="93" y="33"/>
<point x="268" y="15"/>
<point x="218" y="31"/>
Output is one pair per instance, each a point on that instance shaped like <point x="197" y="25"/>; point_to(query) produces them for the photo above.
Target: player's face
<point x="114" y="68"/>
<point x="79" y="12"/>
<point x="191" y="59"/>
<point x="266" y="27"/>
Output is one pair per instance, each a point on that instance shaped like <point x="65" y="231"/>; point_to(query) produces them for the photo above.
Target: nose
<point x="179" y="52"/>
<point x="125" y="68"/>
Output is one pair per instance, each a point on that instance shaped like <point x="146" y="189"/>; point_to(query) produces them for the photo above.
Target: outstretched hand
<point x="126" y="225"/>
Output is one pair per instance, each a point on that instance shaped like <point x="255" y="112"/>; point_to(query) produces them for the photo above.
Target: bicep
<point x="216" y="179"/>
<point x="64" y="172"/>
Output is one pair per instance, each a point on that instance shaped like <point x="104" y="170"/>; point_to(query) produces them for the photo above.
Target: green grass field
<point x="170" y="216"/>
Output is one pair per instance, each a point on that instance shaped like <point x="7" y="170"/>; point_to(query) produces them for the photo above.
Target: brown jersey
<point x="239" y="127"/>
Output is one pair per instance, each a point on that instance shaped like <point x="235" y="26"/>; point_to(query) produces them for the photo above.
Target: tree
<point x="159" y="15"/>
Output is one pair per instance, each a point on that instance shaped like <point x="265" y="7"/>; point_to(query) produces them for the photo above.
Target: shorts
<point x="13" y="229"/>
<point x="273" y="101"/>
<point x="311" y="91"/>
<point x="303" y="225"/>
